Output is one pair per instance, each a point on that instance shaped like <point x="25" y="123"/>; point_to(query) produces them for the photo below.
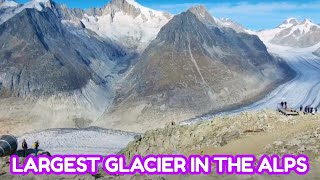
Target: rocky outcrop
<point x="247" y="133"/>
<point x="317" y="52"/>
<point x="205" y="17"/>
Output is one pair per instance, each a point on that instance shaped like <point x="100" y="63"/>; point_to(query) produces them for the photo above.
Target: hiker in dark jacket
<point x="36" y="148"/>
<point x="281" y="104"/>
<point x="306" y="110"/>
<point x="25" y="148"/>
<point x="301" y="108"/>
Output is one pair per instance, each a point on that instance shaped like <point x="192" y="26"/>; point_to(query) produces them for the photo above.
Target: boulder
<point x="230" y="136"/>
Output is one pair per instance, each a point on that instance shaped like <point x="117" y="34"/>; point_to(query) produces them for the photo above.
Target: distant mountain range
<point x="124" y="21"/>
<point x="293" y="33"/>
<point x="129" y="67"/>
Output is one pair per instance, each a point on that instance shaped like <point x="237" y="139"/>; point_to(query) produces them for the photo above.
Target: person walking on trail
<point x="301" y="108"/>
<point x="306" y="110"/>
<point x="25" y="148"/>
<point x="285" y="105"/>
<point x="282" y="104"/>
<point x="36" y="148"/>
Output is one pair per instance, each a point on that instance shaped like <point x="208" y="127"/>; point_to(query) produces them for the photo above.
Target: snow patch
<point x="92" y="140"/>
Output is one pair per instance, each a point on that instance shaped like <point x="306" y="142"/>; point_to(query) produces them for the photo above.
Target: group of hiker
<point x="305" y="110"/>
<point x="284" y="105"/>
<point x="25" y="148"/>
<point x="309" y="110"/>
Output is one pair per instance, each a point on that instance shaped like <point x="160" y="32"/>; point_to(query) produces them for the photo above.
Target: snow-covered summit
<point x="293" y="33"/>
<point x="289" y="22"/>
<point x="7" y="3"/>
<point x="234" y="25"/>
<point x="126" y="21"/>
<point x="37" y="4"/>
<point x="11" y="8"/>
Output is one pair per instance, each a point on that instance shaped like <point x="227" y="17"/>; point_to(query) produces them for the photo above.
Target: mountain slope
<point x="49" y="73"/>
<point x="234" y="25"/>
<point x="188" y="70"/>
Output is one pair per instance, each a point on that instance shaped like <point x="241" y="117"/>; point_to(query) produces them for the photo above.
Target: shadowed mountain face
<point x="40" y="57"/>
<point x="190" y="69"/>
<point x="53" y="75"/>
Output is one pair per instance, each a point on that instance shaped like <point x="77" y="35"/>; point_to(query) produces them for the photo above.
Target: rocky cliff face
<point x="40" y="57"/>
<point x="50" y="73"/>
<point x="205" y="17"/>
<point x="190" y="69"/>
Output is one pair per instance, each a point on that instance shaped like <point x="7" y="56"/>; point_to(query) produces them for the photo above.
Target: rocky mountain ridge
<point x="192" y="68"/>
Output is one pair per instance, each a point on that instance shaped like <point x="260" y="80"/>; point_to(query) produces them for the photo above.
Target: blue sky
<point x="251" y="13"/>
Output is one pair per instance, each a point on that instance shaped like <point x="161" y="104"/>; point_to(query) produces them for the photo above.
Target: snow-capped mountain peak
<point x="11" y="8"/>
<point x="38" y="4"/>
<point x="234" y="25"/>
<point x="126" y="21"/>
<point x="289" y="22"/>
<point x="293" y="33"/>
<point x="8" y="3"/>
<point x="307" y="21"/>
